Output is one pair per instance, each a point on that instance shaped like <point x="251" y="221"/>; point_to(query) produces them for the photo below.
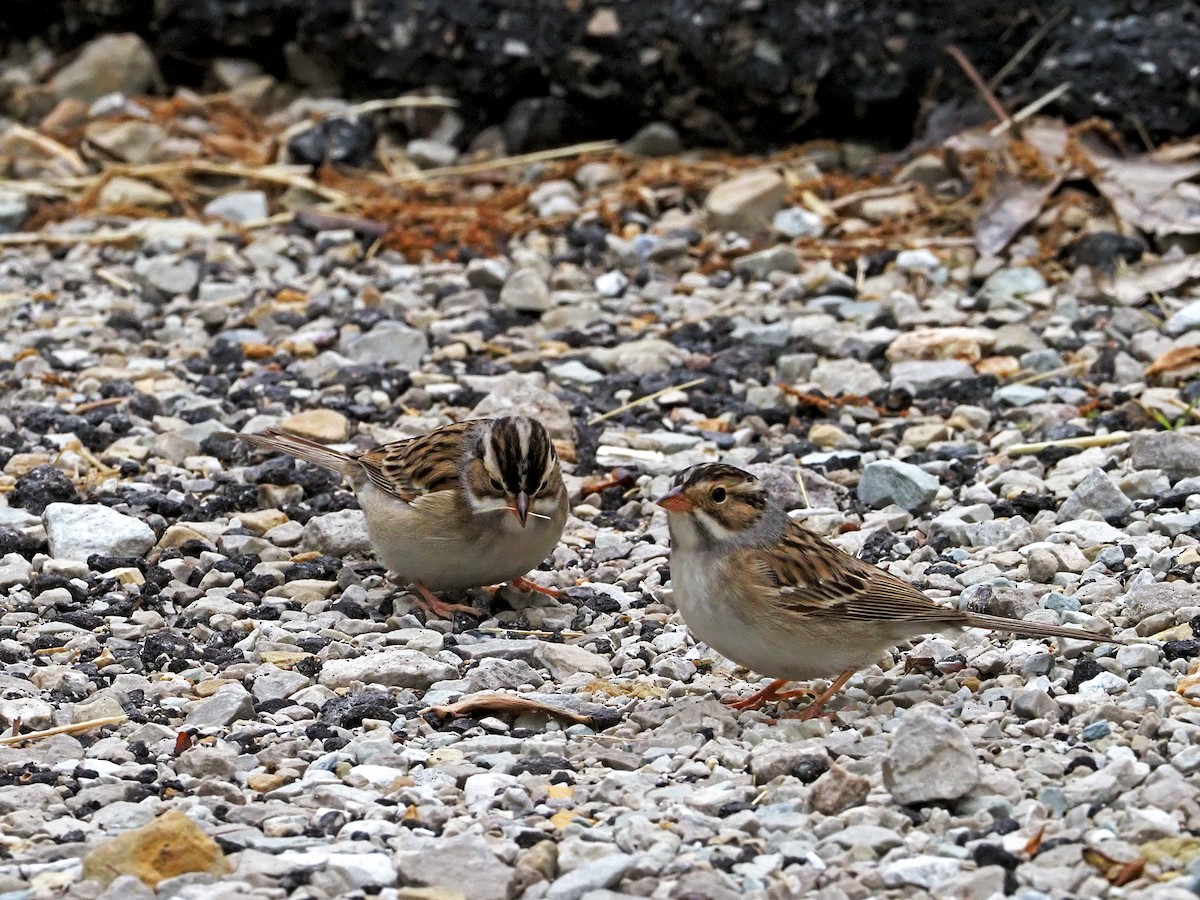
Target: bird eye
<point x="718" y="495"/>
<point x="497" y="484"/>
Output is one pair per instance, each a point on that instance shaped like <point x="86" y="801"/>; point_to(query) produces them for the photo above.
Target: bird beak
<point x="675" y="501"/>
<point x="522" y="511"/>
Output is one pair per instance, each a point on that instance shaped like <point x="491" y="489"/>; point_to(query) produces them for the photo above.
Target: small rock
<point x="640" y="357"/>
<point x="1043" y="565"/>
<point x="170" y="275"/>
<point x="964" y="344"/>
<point x="130" y="140"/>
<point x="1013" y="283"/>
<point x="930" y="759"/>
<point x="389" y="343"/>
<point x="232" y="703"/>
<point x="836" y="377"/>
<point x="125" y="192"/>
<point x="170" y="845"/>
<point x="1096" y="492"/>
<point x="41" y="486"/>
<point x="921" y="376"/>
<point x="922" y="871"/>
<point x="746" y="203"/>
<point x="14" y="208"/>
<point x="463" y="863"/>
<point x="391" y="667"/>
<point x="1033" y="703"/>
<point x="324" y="425"/>
<point x="565" y="660"/>
<point x="890" y="481"/>
<point x="80" y="530"/>
<point x="340" y="534"/>
<point x="1020" y="395"/>
<point x="612" y="284"/>
<point x="526" y="291"/>
<point x="1174" y="452"/>
<point x="780" y="258"/>
<point x="771" y="759"/>
<point x="605" y="872"/>
<point x="795" y="221"/>
<point x="838" y="790"/>
<point x="239" y="207"/>
<point x="427" y="154"/>
<point x="111" y="64"/>
<point x="654" y="139"/>
<point x="573" y="372"/>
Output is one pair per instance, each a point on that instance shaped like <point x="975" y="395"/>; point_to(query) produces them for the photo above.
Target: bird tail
<point x="302" y="448"/>
<point x="1033" y="629"/>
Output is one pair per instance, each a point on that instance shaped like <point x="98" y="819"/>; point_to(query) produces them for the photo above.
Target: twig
<point x="1033" y="108"/>
<point x="646" y="399"/>
<point x="980" y="85"/>
<point x="1027" y="47"/>
<point x="1091" y="440"/>
<point x="366" y="108"/>
<point x="115" y="280"/>
<point x="504" y="162"/>
<point x="64" y="729"/>
<point x="50" y="146"/>
<point x="1068" y="369"/>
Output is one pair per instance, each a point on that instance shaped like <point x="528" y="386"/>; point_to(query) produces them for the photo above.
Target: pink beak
<point x="675" y="501"/>
<point x="522" y="507"/>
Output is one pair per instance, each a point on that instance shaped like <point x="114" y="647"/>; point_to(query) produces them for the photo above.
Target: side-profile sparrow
<point x="470" y="504"/>
<point x="773" y="596"/>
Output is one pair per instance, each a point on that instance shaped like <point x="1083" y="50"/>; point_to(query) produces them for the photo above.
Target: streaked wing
<point x="808" y="577"/>
<point x="421" y="465"/>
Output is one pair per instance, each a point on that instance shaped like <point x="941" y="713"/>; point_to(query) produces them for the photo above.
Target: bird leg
<point x="432" y="603"/>
<point x="770" y="693"/>
<point x="817" y="707"/>
<point x="521" y="583"/>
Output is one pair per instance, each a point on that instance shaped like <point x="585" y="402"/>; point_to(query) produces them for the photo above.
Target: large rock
<point x="930" y="759"/>
<point x="112" y="63"/>
<point x="746" y="202"/>
<point x="1099" y="493"/>
<point x="388" y="343"/>
<point x="518" y="394"/>
<point x="464" y="865"/>
<point x="888" y="481"/>
<point x="79" y="530"/>
<point x="393" y="667"/>
<point x="1176" y="453"/>
<point x="170" y="845"/>
<point x="339" y="534"/>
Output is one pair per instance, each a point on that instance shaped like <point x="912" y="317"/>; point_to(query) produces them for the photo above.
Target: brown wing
<point x="421" y="465"/>
<point x="807" y="576"/>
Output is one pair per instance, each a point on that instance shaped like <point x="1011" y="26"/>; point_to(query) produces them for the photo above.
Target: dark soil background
<point x="723" y="72"/>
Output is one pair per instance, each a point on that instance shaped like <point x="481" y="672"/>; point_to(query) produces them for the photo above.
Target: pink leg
<point x="768" y="694"/>
<point x="817" y="707"/>
<point x="522" y="583"/>
<point x="432" y="603"/>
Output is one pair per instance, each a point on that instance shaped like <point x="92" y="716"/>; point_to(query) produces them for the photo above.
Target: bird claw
<point x="524" y="584"/>
<point x="432" y="603"/>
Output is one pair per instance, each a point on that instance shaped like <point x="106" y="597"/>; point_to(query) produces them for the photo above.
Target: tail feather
<point x="303" y="448"/>
<point x="1034" y="629"/>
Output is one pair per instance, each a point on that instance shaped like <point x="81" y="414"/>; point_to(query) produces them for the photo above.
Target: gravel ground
<point x="280" y="691"/>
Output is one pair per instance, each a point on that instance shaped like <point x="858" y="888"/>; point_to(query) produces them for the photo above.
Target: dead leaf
<point x="508" y="703"/>
<point x="1034" y="844"/>
<point x="1152" y="192"/>
<point x="1011" y="204"/>
<point x="1173" y="359"/>
<point x="1136" y="284"/>
<point x="1115" y="871"/>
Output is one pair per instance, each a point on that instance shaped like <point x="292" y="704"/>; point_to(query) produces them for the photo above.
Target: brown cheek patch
<point x="477" y="479"/>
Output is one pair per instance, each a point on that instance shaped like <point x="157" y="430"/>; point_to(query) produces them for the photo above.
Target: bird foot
<point x="769" y="694"/>
<point x="524" y="584"/>
<point x="432" y="603"/>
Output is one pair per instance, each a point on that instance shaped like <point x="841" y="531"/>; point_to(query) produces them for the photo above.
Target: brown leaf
<point x="1034" y="844"/>
<point x="507" y="703"/>
<point x="1175" y="358"/>
<point x="1115" y="871"/>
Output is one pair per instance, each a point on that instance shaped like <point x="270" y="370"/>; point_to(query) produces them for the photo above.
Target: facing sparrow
<point x="470" y="504"/>
<point x="781" y="600"/>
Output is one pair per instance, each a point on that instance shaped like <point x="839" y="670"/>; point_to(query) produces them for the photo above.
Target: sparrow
<point x="764" y="591"/>
<point x="470" y="504"/>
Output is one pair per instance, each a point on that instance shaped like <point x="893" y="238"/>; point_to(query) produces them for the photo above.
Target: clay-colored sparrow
<point x="470" y="504"/>
<point x="781" y="600"/>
